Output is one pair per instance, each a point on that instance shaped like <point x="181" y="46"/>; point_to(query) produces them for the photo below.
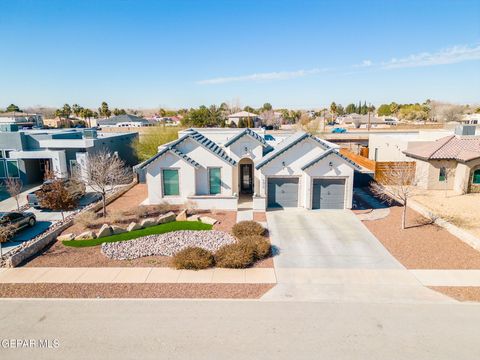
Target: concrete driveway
<point x="332" y="239"/>
<point x="329" y="255"/>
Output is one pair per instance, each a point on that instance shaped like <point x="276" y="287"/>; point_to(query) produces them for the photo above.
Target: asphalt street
<point x="185" y="329"/>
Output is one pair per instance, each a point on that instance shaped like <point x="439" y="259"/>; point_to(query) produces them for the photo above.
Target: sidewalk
<point x="137" y="275"/>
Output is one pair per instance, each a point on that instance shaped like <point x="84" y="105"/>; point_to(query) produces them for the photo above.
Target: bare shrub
<point x="247" y="228"/>
<point x="193" y="258"/>
<point x="235" y="256"/>
<point x="260" y="246"/>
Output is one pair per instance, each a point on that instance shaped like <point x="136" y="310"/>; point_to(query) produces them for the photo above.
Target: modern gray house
<point x="25" y="154"/>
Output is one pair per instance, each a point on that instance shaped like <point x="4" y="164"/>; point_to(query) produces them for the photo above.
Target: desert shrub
<point x="87" y="219"/>
<point x="236" y="256"/>
<point x="139" y="212"/>
<point x="247" y="228"/>
<point x="258" y="244"/>
<point x="193" y="258"/>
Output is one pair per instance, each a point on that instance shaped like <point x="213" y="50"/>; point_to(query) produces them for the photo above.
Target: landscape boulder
<point x="105" y="230"/>
<point x="117" y="230"/>
<point x="193" y="218"/>
<point x="208" y="220"/>
<point x="182" y="216"/>
<point x="87" y="235"/>
<point x="166" y="218"/>
<point x="148" y="222"/>
<point x="133" y="226"/>
<point x="66" y="237"/>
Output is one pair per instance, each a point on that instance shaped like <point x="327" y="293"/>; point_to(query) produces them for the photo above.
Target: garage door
<point x="328" y="194"/>
<point x="282" y="192"/>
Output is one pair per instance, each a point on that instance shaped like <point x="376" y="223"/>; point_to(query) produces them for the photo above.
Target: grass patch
<point x="158" y="229"/>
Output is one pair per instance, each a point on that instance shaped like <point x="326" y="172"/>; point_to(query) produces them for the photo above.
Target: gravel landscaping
<point x="460" y="293"/>
<point x="422" y="245"/>
<point x="166" y="244"/>
<point x="191" y="291"/>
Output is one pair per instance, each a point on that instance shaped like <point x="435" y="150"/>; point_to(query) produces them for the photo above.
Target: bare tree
<point x="102" y="171"/>
<point x="14" y="188"/>
<point x="399" y="183"/>
<point x="452" y="113"/>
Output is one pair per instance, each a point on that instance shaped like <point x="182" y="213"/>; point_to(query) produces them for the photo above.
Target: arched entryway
<point x="246" y="179"/>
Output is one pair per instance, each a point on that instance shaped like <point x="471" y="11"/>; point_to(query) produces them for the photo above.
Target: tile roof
<point x="460" y="148"/>
<point x="164" y="151"/>
<point x="207" y="144"/>
<point x="250" y="133"/>
<point x="325" y="154"/>
<point x="287" y="144"/>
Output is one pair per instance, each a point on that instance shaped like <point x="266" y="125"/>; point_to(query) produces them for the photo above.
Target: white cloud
<point x="453" y="55"/>
<point x="279" y="75"/>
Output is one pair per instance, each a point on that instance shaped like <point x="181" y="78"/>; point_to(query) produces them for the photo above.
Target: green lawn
<point x="158" y="229"/>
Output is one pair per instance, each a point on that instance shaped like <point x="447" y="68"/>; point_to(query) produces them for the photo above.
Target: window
<point x="214" y="181"/>
<point x="12" y="169"/>
<point x="476" y="177"/>
<point x="170" y="182"/>
<point x="443" y="174"/>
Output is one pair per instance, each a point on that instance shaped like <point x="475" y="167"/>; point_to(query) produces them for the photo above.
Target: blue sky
<point x="186" y="53"/>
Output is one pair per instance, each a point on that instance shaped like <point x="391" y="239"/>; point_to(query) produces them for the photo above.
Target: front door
<point x="246" y="178"/>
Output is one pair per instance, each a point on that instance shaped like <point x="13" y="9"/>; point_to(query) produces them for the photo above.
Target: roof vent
<point x="463" y="130"/>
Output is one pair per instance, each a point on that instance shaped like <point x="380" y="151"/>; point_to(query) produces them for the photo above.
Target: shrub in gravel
<point x="247" y="228"/>
<point x="235" y="256"/>
<point x="193" y="258"/>
<point x="259" y="245"/>
<point x="87" y="219"/>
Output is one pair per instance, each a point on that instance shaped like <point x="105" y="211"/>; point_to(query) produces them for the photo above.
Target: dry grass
<point x="460" y="210"/>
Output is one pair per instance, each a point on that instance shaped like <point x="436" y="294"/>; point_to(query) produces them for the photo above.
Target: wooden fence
<point x="380" y="168"/>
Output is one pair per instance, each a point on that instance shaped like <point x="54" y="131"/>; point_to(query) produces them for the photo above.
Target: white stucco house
<point x="214" y="167"/>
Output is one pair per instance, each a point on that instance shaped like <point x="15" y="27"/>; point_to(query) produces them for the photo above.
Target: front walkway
<point x="245" y="208"/>
<point x="113" y="275"/>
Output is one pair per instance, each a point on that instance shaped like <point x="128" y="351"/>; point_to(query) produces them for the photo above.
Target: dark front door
<point x="246" y="178"/>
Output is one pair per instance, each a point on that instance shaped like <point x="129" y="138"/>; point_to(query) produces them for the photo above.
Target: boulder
<point x="87" y="235"/>
<point x="117" y="230"/>
<point x="193" y="218"/>
<point x="105" y="230"/>
<point x="133" y="226"/>
<point x="166" y="218"/>
<point x="182" y="216"/>
<point x="208" y="220"/>
<point x="66" y="237"/>
<point x="148" y="222"/>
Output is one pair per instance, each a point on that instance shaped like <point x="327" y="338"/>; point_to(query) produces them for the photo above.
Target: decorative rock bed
<point x="167" y="244"/>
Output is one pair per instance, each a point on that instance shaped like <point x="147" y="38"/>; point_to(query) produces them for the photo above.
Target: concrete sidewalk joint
<point x="137" y="275"/>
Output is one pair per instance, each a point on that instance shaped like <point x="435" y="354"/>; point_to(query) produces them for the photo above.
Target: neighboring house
<point x="26" y="154"/>
<point x="124" y="121"/>
<point x="362" y="121"/>
<point x="449" y="163"/>
<point x="471" y="119"/>
<point x="300" y="171"/>
<point x="245" y="115"/>
<point x="391" y="146"/>
<point x="21" y="119"/>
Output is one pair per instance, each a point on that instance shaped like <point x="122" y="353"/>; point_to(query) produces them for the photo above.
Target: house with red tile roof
<point x="449" y="163"/>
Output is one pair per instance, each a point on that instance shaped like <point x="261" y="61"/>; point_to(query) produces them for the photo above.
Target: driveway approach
<point x="329" y="255"/>
<point x="332" y="239"/>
